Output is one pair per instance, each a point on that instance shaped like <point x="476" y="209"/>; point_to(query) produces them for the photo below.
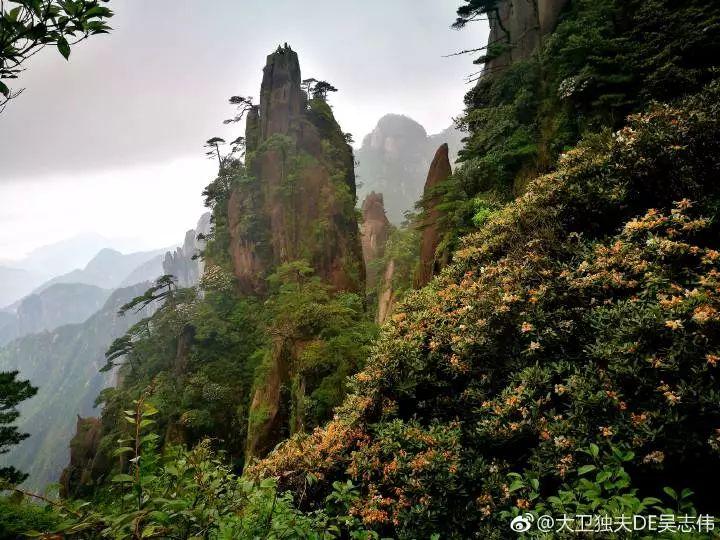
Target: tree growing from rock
<point x="213" y="146"/>
<point x="243" y="106"/>
<point x="321" y="90"/>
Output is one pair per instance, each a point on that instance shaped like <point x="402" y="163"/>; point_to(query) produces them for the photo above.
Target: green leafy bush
<point x="584" y="313"/>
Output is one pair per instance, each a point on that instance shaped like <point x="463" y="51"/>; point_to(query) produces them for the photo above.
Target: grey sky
<point x="126" y="118"/>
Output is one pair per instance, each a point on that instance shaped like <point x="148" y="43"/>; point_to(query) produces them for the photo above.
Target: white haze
<point x="110" y="143"/>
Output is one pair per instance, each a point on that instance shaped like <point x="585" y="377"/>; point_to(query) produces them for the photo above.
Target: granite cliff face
<point x="300" y="201"/>
<point x="440" y="170"/>
<point x="375" y="231"/>
<point x="297" y="203"/>
<point x="83" y="456"/>
<point x="520" y="26"/>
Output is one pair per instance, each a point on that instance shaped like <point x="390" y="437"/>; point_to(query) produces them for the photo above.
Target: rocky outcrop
<point x="519" y="27"/>
<point x="300" y="203"/>
<point x="387" y="296"/>
<point x="374" y="232"/>
<point x="184" y="263"/>
<point x="77" y="478"/>
<point x="297" y="204"/>
<point x="394" y="159"/>
<point x="440" y="170"/>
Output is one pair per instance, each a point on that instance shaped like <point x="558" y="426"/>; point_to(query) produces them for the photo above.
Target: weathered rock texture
<point x="387" y="296"/>
<point x="78" y="475"/>
<point x="297" y="204"/>
<point x="184" y="262"/>
<point x="375" y="231"/>
<point x="440" y="170"/>
<point x="521" y="25"/>
<point x="300" y="204"/>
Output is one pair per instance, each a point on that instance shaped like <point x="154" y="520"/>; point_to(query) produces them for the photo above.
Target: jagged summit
<point x="304" y="190"/>
<point x="281" y="97"/>
<point x="440" y="170"/>
<point x="297" y="205"/>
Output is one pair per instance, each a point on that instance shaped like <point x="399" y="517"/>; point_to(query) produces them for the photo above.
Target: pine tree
<point x="12" y="392"/>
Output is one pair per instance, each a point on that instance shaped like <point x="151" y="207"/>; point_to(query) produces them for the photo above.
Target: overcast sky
<point x="111" y="142"/>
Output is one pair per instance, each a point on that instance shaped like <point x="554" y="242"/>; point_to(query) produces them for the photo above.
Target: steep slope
<point x="584" y="313"/>
<point x="60" y="304"/>
<point x="16" y="283"/>
<point x="263" y="345"/>
<point x="297" y="207"/>
<point x="64" y="364"/>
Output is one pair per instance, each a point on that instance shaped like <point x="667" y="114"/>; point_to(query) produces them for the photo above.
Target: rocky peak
<point x="281" y="98"/>
<point x="298" y="203"/>
<point x="184" y="263"/>
<point x="394" y="159"/>
<point x="374" y="232"/>
<point x="303" y="195"/>
<point x="440" y="170"/>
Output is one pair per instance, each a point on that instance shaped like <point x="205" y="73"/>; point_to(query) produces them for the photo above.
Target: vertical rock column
<point x="440" y="171"/>
<point x="375" y="231"/>
<point x="298" y="203"/>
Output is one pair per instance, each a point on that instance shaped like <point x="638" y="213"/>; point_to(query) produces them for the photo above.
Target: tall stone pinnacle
<point x="440" y="170"/>
<point x="281" y="98"/>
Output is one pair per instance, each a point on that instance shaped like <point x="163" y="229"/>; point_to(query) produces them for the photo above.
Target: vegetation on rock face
<point x="605" y="60"/>
<point x="584" y="313"/>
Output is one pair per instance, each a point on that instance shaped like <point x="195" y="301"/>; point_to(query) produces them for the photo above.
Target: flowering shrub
<point x="584" y="313"/>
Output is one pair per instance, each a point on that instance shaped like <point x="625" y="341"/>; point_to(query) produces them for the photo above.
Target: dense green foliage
<point x="606" y="59"/>
<point x="12" y="392"/>
<point x="584" y="313"/>
<point x="18" y="517"/>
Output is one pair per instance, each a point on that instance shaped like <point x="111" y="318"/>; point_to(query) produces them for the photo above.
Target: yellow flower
<point x="526" y="327"/>
<point x="712" y="359"/>
<point x="674" y="325"/>
<point x="654" y="457"/>
<point x="703" y="314"/>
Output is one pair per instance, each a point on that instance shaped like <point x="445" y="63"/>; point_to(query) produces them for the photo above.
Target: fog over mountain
<point x="64" y="364"/>
<point x="109" y="269"/>
<point x="394" y="160"/>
